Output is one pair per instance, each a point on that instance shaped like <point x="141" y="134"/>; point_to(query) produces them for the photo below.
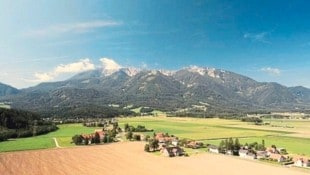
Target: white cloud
<point x="79" y="27"/>
<point x="80" y="66"/>
<point x="42" y="77"/>
<point x="271" y="71"/>
<point x="259" y="37"/>
<point x="109" y="66"/>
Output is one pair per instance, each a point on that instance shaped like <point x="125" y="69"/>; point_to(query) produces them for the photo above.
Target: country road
<point x="56" y="143"/>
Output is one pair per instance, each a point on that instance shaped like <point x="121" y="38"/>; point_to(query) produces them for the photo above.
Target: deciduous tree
<point x="97" y="138"/>
<point x="129" y="135"/>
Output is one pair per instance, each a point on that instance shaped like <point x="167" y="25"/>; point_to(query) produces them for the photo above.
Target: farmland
<point x="128" y="158"/>
<point x="68" y="159"/>
<point x="214" y="130"/>
<point x="290" y="134"/>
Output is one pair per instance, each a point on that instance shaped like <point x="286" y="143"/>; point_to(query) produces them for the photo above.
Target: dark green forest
<point x="18" y="123"/>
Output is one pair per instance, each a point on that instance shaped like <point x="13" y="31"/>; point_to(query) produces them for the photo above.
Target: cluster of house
<point x="169" y="145"/>
<point x="90" y="137"/>
<point x="269" y="153"/>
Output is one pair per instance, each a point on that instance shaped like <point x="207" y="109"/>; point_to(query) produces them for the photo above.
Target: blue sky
<point x="267" y="40"/>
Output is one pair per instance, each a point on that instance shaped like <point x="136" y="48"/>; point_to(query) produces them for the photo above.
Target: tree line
<point x="109" y="135"/>
<point x="234" y="146"/>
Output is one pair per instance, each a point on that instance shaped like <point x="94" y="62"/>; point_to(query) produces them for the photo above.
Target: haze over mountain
<point x="208" y="89"/>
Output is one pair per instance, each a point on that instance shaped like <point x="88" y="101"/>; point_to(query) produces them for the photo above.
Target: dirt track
<point x="126" y="159"/>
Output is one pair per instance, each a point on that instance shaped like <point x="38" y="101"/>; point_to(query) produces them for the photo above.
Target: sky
<point x="267" y="40"/>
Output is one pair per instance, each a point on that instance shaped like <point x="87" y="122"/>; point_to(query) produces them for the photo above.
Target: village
<point x="172" y="146"/>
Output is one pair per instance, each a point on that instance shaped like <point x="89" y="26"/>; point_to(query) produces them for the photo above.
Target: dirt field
<point x="128" y="158"/>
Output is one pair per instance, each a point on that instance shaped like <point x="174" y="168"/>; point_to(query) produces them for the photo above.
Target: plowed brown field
<point x="128" y="158"/>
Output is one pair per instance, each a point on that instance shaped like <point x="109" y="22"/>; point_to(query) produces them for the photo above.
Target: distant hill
<point x="7" y="90"/>
<point x="194" y="88"/>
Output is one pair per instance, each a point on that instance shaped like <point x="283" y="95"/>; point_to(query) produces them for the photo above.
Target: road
<point x="56" y="143"/>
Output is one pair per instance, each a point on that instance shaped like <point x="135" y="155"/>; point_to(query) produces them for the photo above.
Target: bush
<point x="137" y="137"/>
<point x="4" y="135"/>
<point x="147" y="148"/>
<point x="147" y="137"/>
<point x="129" y="135"/>
<point x="77" y="139"/>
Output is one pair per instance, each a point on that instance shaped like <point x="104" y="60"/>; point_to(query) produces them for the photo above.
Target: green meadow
<point x="63" y="136"/>
<point x="200" y="129"/>
<point x="211" y="131"/>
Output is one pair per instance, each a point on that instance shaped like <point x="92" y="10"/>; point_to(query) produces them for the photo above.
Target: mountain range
<point x="196" y="88"/>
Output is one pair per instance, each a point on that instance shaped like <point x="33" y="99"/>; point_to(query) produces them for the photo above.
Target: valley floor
<point x="128" y="158"/>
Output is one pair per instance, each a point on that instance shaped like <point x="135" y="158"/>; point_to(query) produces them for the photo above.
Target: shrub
<point x="137" y="137"/>
<point x="147" y="148"/>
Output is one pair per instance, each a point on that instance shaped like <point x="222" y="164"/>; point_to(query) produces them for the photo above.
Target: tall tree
<point x="137" y="137"/>
<point x="115" y="125"/>
<point x="226" y="144"/>
<point x="237" y="144"/>
<point x="263" y="143"/>
<point x="86" y="140"/>
<point x="129" y="135"/>
<point x="77" y="139"/>
<point x="147" y="148"/>
<point x="97" y="138"/>
<point x="230" y="144"/>
<point x="154" y="144"/>
<point x="105" y="139"/>
<point x="222" y="147"/>
<point x="126" y="127"/>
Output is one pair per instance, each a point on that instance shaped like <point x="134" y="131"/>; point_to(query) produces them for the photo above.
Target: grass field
<point x="200" y="129"/>
<point x="210" y="131"/>
<point x="63" y="136"/>
<point x="214" y="130"/>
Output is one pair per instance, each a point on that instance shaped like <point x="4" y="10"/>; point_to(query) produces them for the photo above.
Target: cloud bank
<point x="108" y="67"/>
<point x="271" y="71"/>
<point x="76" y="67"/>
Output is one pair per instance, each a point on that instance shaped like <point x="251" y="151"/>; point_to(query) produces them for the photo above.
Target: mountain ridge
<point x="7" y="90"/>
<point x="223" y="91"/>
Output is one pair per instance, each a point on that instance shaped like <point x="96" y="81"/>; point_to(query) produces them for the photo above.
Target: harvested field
<point x="128" y="158"/>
